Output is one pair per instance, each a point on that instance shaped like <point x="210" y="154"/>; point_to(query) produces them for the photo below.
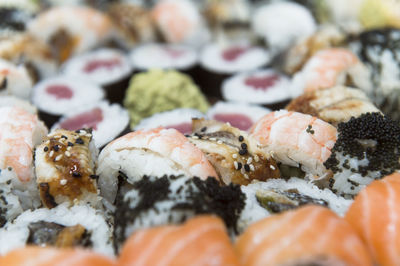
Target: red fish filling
<point x="240" y="121"/>
<point x="94" y="65"/>
<point x="60" y="91"/>
<point x="174" y="53"/>
<point x="184" y="128"/>
<point x="234" y="53"/>
<point x="89" y="119"/>
<point x="262" y="83"/>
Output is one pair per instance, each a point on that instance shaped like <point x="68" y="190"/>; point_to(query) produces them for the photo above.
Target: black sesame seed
<point x="70" y="144"/>
<point x="244" y="146"/>
<point x="203" y="129"/>
<point x="56" y="147"/>
<point x="64" y="137"/>
<point x="76" y="174"/>
<point x="79" y="141"/>
<point x="46" y="148"/>
<point x="241" y="138"/>
<point x="239" y="166"/>
<point x="242" y="152"/>
<point x="93" y="176"/>
<point x="247" y="167"/>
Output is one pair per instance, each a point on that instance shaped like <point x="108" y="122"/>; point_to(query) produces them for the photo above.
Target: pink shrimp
<point x="20" y="131"/>
<point x="328" y="68"/>
<point x="295" y="138"/>
<point x="173" y="20"/>
<point x="164" y="146"/>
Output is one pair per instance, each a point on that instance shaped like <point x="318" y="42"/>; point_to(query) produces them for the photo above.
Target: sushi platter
<point x="199" y="132"/>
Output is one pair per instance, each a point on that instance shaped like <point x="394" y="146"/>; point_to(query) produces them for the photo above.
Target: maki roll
<point x="157" y="91"/>
<point x="234" y="155"/>
<point x="105" y="67"/>
<point x="15" y="80"/>
<point x="179" y="21"/>
<point x="179" y="119"/>
<point x="57" y="96"/>
<point x="379" y="49"/>
<point x="20" y="131"/>
<point x="281" y="24"/>
<point x="107" y="121"/>
<point x="164" y="56"/>
<point x="10" y="206"/>
<point x="137" y="153"/>
<point x="265" y="87"/>
<point x="275" y="196"/>
<point x="64" y="166"/>
<point x="61" y="227"/>
<point x="367" y="148"/>
<point x="219" y="62"/>
<point x="239" y="115"/>
<point x="333" y="105"/>
<point x="155" y="201"/>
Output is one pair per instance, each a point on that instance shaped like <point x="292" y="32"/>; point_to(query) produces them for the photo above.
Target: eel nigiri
<point x="37" y="256"/>
<point x="200" y="241"/>
<point x="310" y="235"/>
<point x="374" y="214"/>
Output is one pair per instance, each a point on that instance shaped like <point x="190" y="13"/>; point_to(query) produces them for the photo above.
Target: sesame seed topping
<point x="235" y="164"/>
<point x="79" y="141"/>
<point x="241" y="138"/>
<point x="203" y="129"/>
<point x="251" y="167"/>
<point x="58" y="157"/>
<point x="195" y="137"/>
<point x="46" y="148"/>
<point x="219" y="141"/>
<point x="247" y="167"/>
<point x="47" y="142"/>
<point x="256" y="158"/>
<point x="249" y="160"/>
<point x="56" y="148"/>
<point x="88" y="135"/>
<point x="63" y="182"/>
<point x="242" y="152"/>
<point x="213" y="139"/>
<point x="69" y="148"/>
<point x="272" y="167"/>
<point x="94" y="176"/>
<point x="244" y="146"/>
<point x="51" y="153"/>
<point x="64" y="137"/>
<point x="246" y="176"/>
<point x="234" y="156"/>
<point x="70" y="144"/>
<point x="239" y="166"/>
<point x="67" y="153"/>
<point x="76" y="174"/>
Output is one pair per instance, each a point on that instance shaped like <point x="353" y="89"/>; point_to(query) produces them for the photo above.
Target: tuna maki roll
<point x="105" y="67"/>
<point x="107" y="121"/>
<point x="265" y="87"/>
<point x="57" y="96"/>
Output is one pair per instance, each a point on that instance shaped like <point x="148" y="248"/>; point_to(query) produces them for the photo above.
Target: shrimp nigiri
<point x="20" y="132"/>
<point x="310" y="235"/>
<point x="154" y="152"/>
<point x="200" y="241"/>
<point x="375" y="216"/>
<point x="37" y="256"/>
<point x="330" y="67"/>
<point x="295" y="138"/>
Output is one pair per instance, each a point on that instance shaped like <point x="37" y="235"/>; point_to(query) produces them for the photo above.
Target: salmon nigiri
<point x="38" y="256"/>
<point x="375" y="216"/>
<point x="200" y="241"/>
<point x="310" y="235"/>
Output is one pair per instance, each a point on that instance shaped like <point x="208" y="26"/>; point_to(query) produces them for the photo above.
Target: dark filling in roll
<point x="52" y="234"/>
<point x="280" y="201"/>
<point x="62" y="45"/>
<point x="194" y="197"/>
<point x="13" y="19"/>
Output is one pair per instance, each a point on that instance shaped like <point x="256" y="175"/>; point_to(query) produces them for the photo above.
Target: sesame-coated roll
<point x="65" y="168"/>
